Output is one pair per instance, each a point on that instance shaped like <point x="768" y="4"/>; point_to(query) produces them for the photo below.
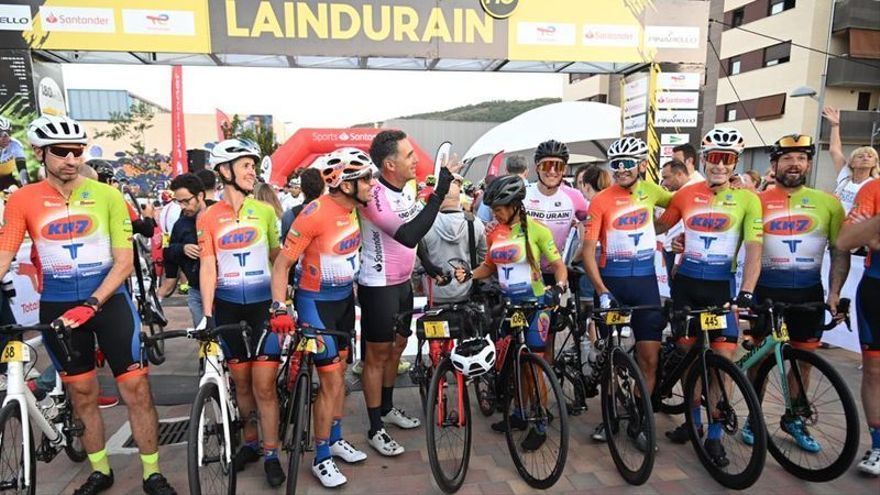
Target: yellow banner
<point x="176" y="26"/>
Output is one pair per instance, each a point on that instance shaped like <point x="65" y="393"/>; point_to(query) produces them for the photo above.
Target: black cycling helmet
<point x="104" y="169"/>
<point x="551" y="149"/>
<point x="504" y="191"/>
<point x="793" y="142"/>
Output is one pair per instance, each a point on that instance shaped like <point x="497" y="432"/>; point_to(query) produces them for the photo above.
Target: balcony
<point x="855" y="126"/>
<point x="856" y="14"/>
<point x="843" y="73"/>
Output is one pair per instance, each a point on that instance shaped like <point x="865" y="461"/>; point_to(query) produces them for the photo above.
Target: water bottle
<point x="588" y="356"/>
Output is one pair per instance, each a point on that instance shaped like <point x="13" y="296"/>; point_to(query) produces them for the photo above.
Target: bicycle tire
<point x="557" y="413"/>
<point x="202" y="406"/>
<point x="295" y="444"/>
<point x="572" y="386"/>
<point x="428" y="373"/>
<point x="449" y="484"/>
<point x="850" y="416"/>
<point x="155" y="351"/>
<point x="758" y="451"/>
<point x="484" y="393"/>
<point x="622" y="365"/>
<point x="74" y="448"/>
<point x="9" y="413"/>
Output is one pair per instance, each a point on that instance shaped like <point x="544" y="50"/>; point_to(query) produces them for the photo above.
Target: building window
<point x="777" y="54"/>
<point x="779" y="6"/>
<point x="769" y="107"/>
<point x="864" y="103"/>
<point x="730" y="112"/>
<point x="734" y="65"/>
<point x="738" y="16"/>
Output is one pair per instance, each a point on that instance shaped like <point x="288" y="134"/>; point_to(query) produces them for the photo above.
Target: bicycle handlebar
<point x="779" y="307"/>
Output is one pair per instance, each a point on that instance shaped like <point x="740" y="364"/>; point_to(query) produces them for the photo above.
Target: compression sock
<point x="322" y="450"/>
<point x="270" y="452"/>
<point x="375" y="414"/>
<point x="151" y="463"/>
<point x="715" y="431"/>
<point x="252" y="444"/>
<point x="696" y="416"/>
<point x="387" y="400"/>
<point x="100" y="462"/>
<point x="336" y="430"/>
<point x="875" y="436"/>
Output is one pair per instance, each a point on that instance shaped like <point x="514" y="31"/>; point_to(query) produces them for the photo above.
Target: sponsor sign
<point x="543" y="33"/>
<point x="679" y="80"/>
<point x="678" y="99"/>
<point x="634" y="124"/>
<point x="635" y="106"/>
<point x="674" y="139"/>
<point x="610" y="35"/>
<point x="15" y="17"/>
<point x="635" y="88"/>
<point x="666" y="150"/>
<point x="675" y="118"/>
<point x="159" y="22"/>
<point x="672" y="36"/>
<point x="77" y="19"/>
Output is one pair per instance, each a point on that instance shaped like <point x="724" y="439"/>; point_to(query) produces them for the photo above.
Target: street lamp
<point x="803" y="91"/>
<point x="806" y="91"/>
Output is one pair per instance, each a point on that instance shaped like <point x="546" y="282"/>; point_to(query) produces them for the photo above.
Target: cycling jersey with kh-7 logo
<point x="327" y="236"/>
<point x="241" y="245"/>
<point x="867" y="204"/>
<point x="507" y="253"/>
<point x="622" y="221"/>
<point x="797" y="230"/>
<point x="73" y="237"/>
<point x="715" y="224"/>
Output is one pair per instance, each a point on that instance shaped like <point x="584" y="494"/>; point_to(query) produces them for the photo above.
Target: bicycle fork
<point x="213" y="376"/>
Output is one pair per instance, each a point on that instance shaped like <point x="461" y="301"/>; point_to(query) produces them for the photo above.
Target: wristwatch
<point x="93" y="303"/>
<point x="278" y="307"/>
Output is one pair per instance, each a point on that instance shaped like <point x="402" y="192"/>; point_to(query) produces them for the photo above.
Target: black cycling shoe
<point x="245" y="456"/>
<point x="680" y="434"/>
<point x="533" y="441"/>
<point x="156" y="484"/>
<point x="515" y="421"/>
<point x="97" y="483"/>
<point x="274" y="474"/>
<point x="716" y="452"/>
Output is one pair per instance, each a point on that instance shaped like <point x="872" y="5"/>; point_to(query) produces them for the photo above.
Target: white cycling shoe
<point x="385" y="445"/>
<point x="399" y="419"/>
<point x="346" y="451"/>
<point x="328" y="474"/>
<point x="870" y="464"/>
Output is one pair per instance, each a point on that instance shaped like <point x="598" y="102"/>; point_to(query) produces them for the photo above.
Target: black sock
<point x="375" y="414"/>
<point x="387" y="400"/>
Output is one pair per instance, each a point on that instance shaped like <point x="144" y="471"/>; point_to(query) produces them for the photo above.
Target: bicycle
<point x="295" y="396"/>
<point x="800" y="395"/>
<point x="60" y="428"/>
<point x="568" y="358"/>
<point x="214" y="423"/>
<point x="728" y="406"/>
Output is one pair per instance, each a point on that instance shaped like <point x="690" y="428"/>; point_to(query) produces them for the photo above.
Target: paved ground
<point x="589" y="468"/>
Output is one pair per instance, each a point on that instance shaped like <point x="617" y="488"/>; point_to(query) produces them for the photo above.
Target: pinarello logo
<point x="349" y="244"/>
<point x="51" y="19"/>
<point x="239" y="238"/>
<point x="632" y="220"/>
<point x="68" y="228"/>
<point x="795" y="224"/>
<point x="158" y="20"/>
<point x="709" y="222"/>
<point x="506" y="254"/>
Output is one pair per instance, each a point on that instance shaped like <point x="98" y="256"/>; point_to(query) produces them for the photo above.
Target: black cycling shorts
<point x="804" y="327"/>
<point x="697" y="294"/>
<point x="868" y="314"/>
<point x="326" y="314"/>
<point x="647" y="325"/>
<point x="380" y="306"/>
<point x="117" y="330"/>
<point x="265" y="345"/>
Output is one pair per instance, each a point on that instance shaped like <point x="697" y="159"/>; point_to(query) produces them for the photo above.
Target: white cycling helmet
<point x="723" y="139"/>
<point x="47" y="130"/>
<point x="344" y="164"/>
<point x="474" y="357"/>
<point x="628" y="147"/>
<point x="5" y="125"/>
<point x="232" y="149"/>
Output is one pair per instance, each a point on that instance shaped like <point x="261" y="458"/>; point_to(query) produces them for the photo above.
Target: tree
<point x="252" y="130"/>
<point x="131" y="126"/>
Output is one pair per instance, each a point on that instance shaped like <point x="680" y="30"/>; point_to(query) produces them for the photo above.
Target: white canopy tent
<point x="587" y="128"/>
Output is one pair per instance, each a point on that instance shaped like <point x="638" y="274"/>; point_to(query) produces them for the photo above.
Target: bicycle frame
<point x="215" y="372"/>
<point x="775" y="342"/>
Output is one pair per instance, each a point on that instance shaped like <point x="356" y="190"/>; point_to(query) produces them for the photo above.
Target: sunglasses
<point x="721" y="157"/>
<point x="62" y="152"/>
<point x="795" y="140"/>
<point x="621" y="164"/>
<point x="547" y="165"/>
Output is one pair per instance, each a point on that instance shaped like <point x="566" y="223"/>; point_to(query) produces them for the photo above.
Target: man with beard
<point x="799" y="225"/>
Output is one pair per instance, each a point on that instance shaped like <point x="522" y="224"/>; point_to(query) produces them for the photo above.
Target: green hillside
<point x="487" y="111"/>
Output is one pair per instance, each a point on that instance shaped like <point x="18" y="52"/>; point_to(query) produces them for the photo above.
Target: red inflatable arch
<point x="307" y="144"/>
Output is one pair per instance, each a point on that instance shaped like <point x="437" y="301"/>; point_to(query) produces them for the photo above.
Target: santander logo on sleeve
<point x="78" y="19"/>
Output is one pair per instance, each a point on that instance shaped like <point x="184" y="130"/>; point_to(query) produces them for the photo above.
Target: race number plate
<point x="437" y="329"/>
<point x="209" y="349"/>
<point x="16" y="352"/>
<point x="309" y="345"/>
<point x="710" y="321"/>
<point x="783" y="333"/>
<point x="617" y="318"/>
<point x="518" y="320"/>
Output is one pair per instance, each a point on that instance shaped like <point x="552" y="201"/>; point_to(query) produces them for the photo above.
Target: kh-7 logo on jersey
<point x="708" y="222"/>
<point x="66" y="228"/>
<point x="795" y="224"/>
<point x="238" y="238"/>
<point x="632" y="221"/>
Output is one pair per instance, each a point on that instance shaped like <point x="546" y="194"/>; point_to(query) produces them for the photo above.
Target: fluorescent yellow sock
<point x="100" y="462"/>
<point x="151" y="464"/>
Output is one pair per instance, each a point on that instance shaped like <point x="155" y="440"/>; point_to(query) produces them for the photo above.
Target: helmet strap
<point x="354" y="194"/>
<point x="233" y="181"/>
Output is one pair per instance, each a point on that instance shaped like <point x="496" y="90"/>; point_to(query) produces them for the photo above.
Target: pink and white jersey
<point x="384" y="261"/>
<point x="559" y="212"/>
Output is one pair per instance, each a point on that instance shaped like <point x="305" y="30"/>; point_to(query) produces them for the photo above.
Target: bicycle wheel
<point x="537" y="429"/>
<point x="213" y="473"/>
<point x="572" y="387"/>
<point x="671" y="400"/>
<point x="296" y="442"/>
<point x="730" y="461"/>
<point x="628" y="418"/>
<point x="484" y="392"/>
<point x="12" y="454"/>
<point x="73" y="434"/>
<point x="825" y="411"/>
<point x="448" y="427"/>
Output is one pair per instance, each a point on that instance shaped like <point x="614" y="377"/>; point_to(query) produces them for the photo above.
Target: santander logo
<point x="51" y="19"/>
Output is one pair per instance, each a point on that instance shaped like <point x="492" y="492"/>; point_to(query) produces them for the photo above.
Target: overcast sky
<point x="315" y="97"/>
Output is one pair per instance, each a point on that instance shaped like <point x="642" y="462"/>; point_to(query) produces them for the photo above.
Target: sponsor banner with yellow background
<point x="176" y="26"/>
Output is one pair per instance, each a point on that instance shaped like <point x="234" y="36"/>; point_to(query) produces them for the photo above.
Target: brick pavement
<point x="589" y="468"/>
